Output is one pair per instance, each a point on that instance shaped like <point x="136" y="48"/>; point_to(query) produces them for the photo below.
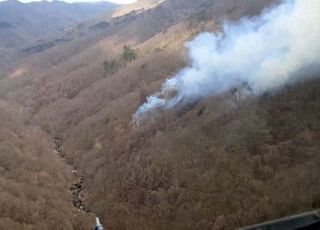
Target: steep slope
<point x="34" y="180"/>
<point x="22" y="24"/>
<point x="218" y="164"/>
<point x="140" y="5"/>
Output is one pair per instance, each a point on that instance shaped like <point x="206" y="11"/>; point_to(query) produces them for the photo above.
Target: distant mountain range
<point x="24" y="23"/>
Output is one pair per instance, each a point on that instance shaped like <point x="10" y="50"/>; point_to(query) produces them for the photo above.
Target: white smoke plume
<point x="263" y="52"/>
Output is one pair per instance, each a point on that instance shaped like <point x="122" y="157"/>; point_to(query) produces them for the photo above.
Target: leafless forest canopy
<point x="221" y="162"/>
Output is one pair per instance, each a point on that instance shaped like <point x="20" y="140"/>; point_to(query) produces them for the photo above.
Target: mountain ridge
<point x="220" y="163"/>
<point x="24" y="24"/>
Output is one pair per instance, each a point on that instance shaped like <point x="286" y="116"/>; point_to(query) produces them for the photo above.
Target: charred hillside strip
<point x="44" y="46"/>
<point x="186" y="107"/>
<point x="39" y="48"/>
<point x="100" y="26"/>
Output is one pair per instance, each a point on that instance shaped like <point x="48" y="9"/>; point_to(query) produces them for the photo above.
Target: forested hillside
<point x="218" y="163"/>
<point x="37" y="25"/>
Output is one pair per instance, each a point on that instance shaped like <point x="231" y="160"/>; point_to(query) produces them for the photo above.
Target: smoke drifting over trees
<point x="264" y="52"/>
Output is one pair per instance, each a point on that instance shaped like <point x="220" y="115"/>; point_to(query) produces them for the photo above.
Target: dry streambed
<point x="77" y="186"/>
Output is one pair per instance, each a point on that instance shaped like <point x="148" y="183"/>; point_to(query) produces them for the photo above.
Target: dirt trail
<point x="77" y="186"/>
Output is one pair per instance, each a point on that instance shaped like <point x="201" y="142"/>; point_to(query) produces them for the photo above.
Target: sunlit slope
<point x="217" y="164"/>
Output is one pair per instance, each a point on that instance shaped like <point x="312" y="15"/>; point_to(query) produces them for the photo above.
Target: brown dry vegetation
<point x="34" y="182"/>
<point x="219" y="164"/>
<point x="223" y="168"/>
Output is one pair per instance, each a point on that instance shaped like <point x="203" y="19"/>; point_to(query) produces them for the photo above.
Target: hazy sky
<point x="122" y="1"/>
<point x="115" y="1"/>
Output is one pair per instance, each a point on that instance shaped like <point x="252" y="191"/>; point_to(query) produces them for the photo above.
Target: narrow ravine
<point x="77" y="186"/>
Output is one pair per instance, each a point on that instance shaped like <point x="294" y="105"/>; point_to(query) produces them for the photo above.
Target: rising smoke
<point x="263" y="52"/>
